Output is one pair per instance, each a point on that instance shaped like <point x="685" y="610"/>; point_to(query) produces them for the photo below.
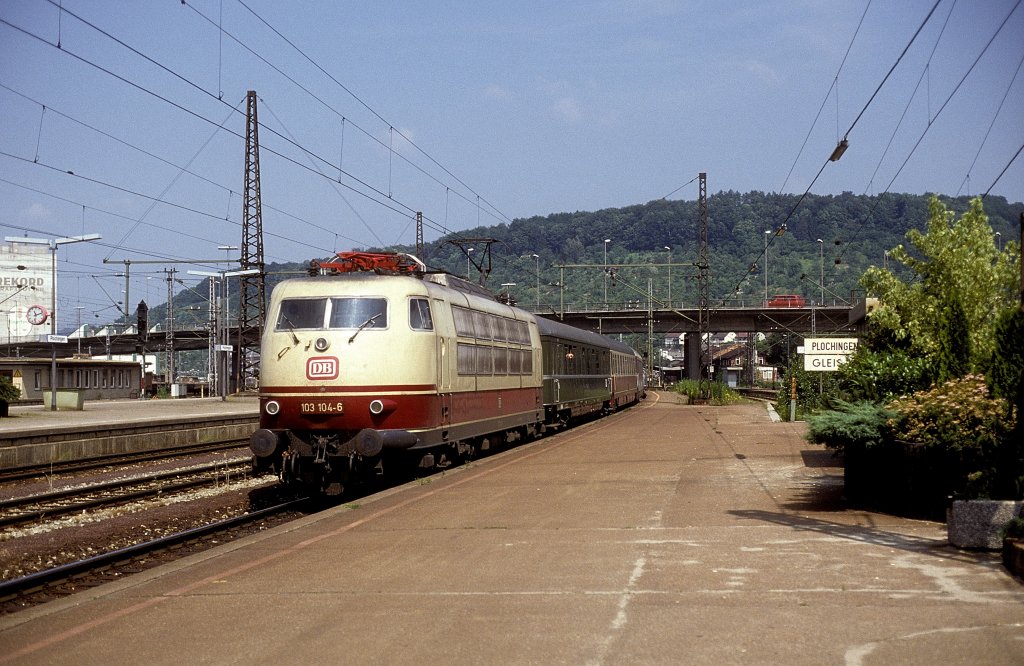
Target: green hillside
<point x="856" y="231"/>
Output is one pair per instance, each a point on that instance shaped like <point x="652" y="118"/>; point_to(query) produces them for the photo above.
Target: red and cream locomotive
<point x="376" y="360"/>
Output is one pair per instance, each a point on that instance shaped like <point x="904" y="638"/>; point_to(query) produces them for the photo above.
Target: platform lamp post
<point x="469" y="262"/>
<point x="227" y="288"/>
<point x="536" y="258"/>
<point x="766" y="234"/>
<point x="821" y="274"/>
<point x="223" y="348"/>
<point x="53" y="244"/>
<point x="606" y="241"/>
<point x="669" y="275"/>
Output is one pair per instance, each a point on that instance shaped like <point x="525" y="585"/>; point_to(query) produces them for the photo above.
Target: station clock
<point x="37" y="314"/>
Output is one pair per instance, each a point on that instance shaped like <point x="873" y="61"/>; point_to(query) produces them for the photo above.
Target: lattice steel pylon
<point x="252" y="306"/>
<point x="703" y="287"/>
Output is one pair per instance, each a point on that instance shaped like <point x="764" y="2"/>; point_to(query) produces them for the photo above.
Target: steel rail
<point x="31" y="581"/>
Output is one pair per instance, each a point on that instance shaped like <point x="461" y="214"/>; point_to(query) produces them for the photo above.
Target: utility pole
<point x="169" y="369"/>
<point x="703" y="285"/>
<point x="252" y="304"/>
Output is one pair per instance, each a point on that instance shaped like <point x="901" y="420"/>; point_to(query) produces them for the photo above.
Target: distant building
<point x="98" y="379"/>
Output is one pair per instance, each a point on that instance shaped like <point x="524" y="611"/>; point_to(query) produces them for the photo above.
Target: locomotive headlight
<point x="321" y="344"/>
<point x="272" y="407"/>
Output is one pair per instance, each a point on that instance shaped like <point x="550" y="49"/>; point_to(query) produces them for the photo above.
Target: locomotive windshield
<point x="320" y="313"/>
<point x="301" y="313"/>
<point x="356" y="312"/>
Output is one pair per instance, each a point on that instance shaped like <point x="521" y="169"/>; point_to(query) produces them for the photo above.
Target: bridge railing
<point x="751" y="303"/>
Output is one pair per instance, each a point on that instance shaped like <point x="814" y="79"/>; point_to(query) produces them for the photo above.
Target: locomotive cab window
<point x="301" y="313"/>
<point x="359" y="313"/>
<point x="419" y="315"/>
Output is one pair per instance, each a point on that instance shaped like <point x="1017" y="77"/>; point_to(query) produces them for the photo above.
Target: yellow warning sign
<point x="17" y="374"/>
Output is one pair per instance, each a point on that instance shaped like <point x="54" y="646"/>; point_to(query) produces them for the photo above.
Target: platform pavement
<point x="664" y="534"/>
<point x="105" y="412"/>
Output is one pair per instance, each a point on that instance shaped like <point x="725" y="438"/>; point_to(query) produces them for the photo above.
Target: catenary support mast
<point x="251" y="301"/>
<point x="703" y="286"/>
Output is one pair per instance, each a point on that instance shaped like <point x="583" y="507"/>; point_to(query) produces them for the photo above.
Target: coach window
<point x="419" y="315"/>
<point x="359" y="313"/>
<point x="301" y="313"/>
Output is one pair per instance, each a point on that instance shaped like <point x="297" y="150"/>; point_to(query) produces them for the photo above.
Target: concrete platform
<point x="664" y="534"/>
<point x="35" y="434"/>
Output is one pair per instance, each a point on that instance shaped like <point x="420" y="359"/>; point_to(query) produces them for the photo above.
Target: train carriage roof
<point x="549" y="327"/>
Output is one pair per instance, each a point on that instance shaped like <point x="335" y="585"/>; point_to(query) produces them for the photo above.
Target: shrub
<point x="720" y="393"/>
<point x="880" y="376"/>
<point x="860" y="424"/>
<point x="8" y="391"/>
<point x="958" y="414"/>
<point x="962" y="425"/>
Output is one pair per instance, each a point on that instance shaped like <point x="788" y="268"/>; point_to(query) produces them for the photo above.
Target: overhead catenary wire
<point x="995" y="116"/>
<point x="828" y="93"/>
<point x="1003" y="172"/>
<point x="859" y="228"/>
<point x="150" y="197"/>
<point x="780" y="228"/>
<point x="165" y="161"/>
<point x="348" y="121"/>
<point x="408" y="210"/>
<point x="370" y="109"/>
<point x="386" y="202"/>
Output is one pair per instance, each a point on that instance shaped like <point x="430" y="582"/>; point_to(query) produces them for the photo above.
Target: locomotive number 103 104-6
<point x="320" y="407"/>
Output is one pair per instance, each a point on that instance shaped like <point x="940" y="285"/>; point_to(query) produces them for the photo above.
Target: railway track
<point x="99" y="462"/>
<point x="759" y="393"/>
<point x="29" y="508"/>
<point x="65" y="579"/>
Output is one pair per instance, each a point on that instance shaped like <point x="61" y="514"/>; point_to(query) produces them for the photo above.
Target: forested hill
<point x="856" y="230"/>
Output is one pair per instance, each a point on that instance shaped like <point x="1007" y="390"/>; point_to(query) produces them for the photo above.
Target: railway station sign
<point x="827" y="354"/>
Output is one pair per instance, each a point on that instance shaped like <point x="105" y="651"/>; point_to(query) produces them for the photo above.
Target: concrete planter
<point x="1013" y="556"/>
<point x="67" y="399"/>
<point x="980" y="523"/>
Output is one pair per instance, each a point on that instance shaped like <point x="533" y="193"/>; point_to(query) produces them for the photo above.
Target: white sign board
<point x="823" y="362"/>
<point x="827" y="354"/>
<point x="25" y="281"/>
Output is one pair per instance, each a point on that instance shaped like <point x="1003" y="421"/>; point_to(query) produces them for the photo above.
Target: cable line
<point x="828" y="93"/>
<point x="995" y="116"/>
<point x="366" y="106"/>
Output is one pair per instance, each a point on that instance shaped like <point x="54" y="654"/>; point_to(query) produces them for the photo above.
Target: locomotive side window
<point x="482" y="322"/>
<point x="301" y="313"/>
<point x="419" y="315"/>
<point x="463" y="322"/>
<point x="359" y="313"/>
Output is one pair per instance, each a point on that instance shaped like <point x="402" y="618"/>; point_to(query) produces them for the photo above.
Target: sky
<point x="127" y="119"/>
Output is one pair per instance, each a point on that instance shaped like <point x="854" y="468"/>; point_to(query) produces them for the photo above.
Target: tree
<point x="946" y="312"/>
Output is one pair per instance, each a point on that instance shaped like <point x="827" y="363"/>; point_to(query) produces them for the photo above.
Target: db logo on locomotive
<point x="322" y="367"/>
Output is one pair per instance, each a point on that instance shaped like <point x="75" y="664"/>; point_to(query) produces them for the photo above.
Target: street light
<point x="53" y="244"/>
<point x="469" y="253"/>
<point x="536" y="258"/>
<point x="766" y="234"/>
<point x="821" y="276"/>
<point x="227" y="288"/>
<point x="999" y="241"/>
<point x="669" y="275"/>
<point x="606" y="241"/>
<point x="508" y="293"/>
<point x="223" y="277"/>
